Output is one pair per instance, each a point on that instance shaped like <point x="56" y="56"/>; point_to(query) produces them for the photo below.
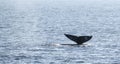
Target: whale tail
<point x="78" y="39"/>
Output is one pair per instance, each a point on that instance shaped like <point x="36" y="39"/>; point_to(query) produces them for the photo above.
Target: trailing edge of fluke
<point x="78" y="39"/>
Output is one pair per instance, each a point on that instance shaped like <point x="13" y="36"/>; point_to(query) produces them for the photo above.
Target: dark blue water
<point x="31" y="31"/>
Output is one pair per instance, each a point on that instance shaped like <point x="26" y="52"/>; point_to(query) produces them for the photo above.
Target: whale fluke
<point x="78" y="39"/>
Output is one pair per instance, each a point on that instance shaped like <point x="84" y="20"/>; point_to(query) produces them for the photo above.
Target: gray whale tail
<point x="78" y="39"/>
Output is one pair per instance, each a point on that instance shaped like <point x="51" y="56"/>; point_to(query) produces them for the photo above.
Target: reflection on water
<point x="28" y="30"/>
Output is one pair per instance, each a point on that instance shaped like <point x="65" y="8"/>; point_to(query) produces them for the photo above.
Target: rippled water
<point x="30" y="31"/>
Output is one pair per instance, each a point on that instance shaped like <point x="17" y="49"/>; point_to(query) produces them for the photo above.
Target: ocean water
<point x="31" y="31"/>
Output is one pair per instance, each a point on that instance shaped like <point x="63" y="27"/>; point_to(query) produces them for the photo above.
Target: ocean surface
<point x="31" y="31"/>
